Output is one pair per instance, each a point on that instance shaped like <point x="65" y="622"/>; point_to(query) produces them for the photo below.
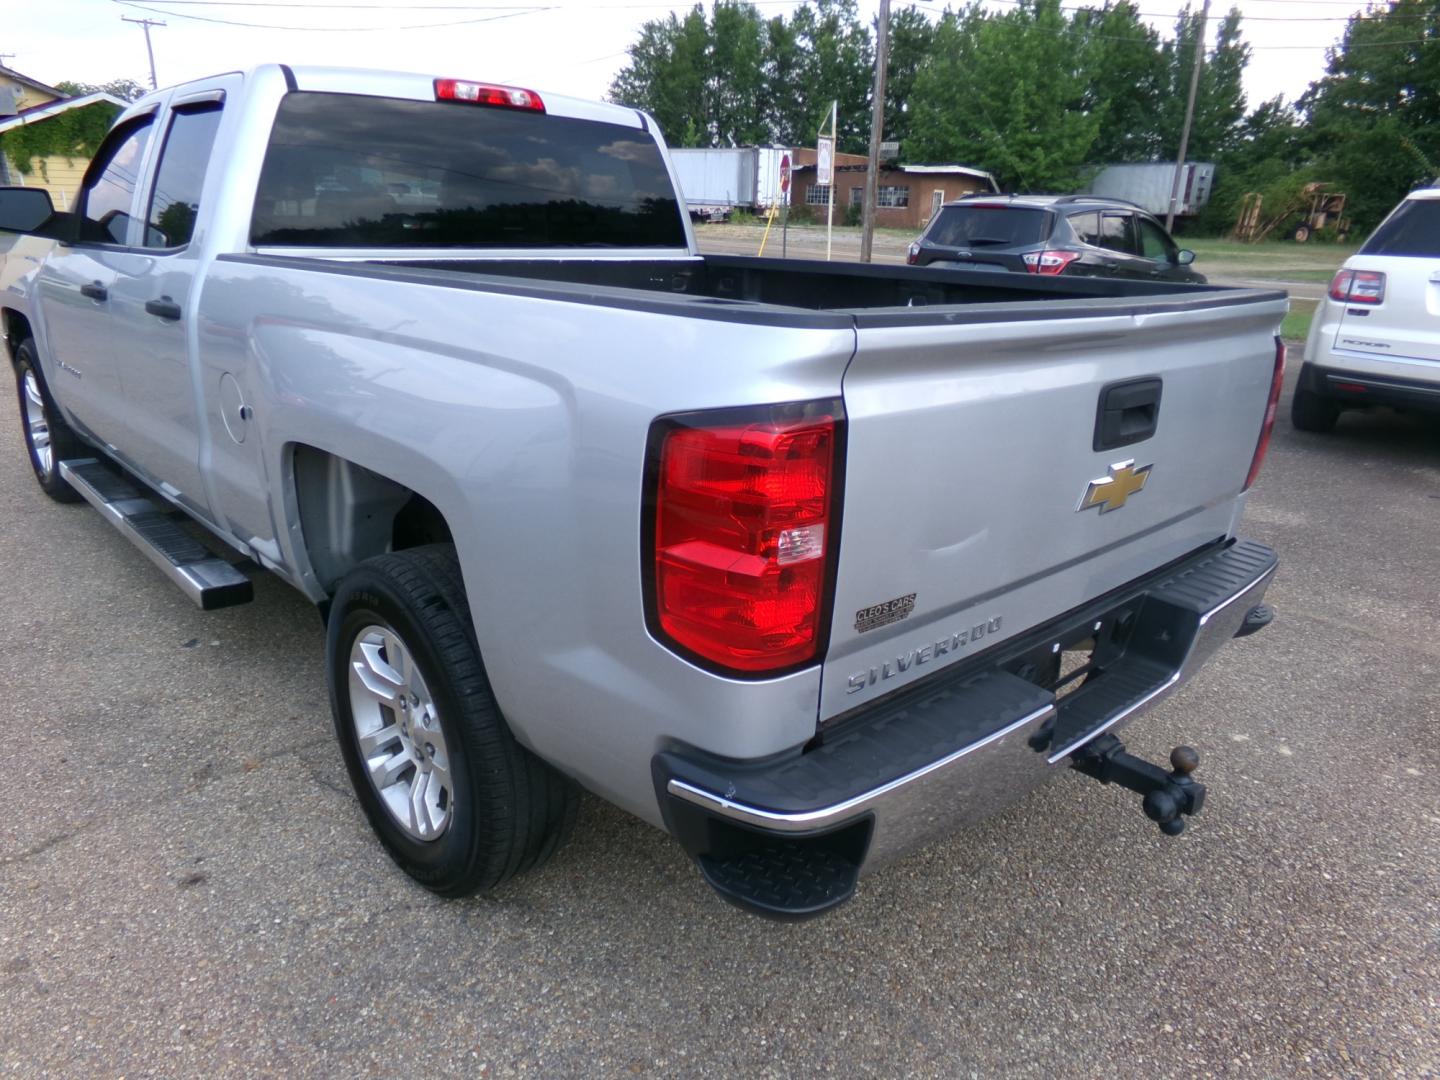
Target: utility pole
<point x="877" y="132"/>
<point x="147" y="23"/>
<point x="1189" y="115"/>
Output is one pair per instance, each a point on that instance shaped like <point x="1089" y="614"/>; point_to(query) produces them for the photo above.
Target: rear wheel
<point x="458" y="803"/>
<point x="1310" y="411"/>
<point x="48" y="439"/>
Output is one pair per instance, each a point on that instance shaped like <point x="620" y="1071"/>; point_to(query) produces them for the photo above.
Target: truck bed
<point x="849" y="288"/>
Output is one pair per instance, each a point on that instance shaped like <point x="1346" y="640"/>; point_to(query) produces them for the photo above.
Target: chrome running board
<point x="209" y="581"/>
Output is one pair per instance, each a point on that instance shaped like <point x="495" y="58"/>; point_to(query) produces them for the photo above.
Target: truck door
<point x="77" y="281"/>
<point x="152" y="302"/>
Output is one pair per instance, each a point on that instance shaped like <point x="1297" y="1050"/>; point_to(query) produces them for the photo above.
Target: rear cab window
<point x="989" y="225"/>
<point x="351" y="171"/>
<point x="1413" y="229"/>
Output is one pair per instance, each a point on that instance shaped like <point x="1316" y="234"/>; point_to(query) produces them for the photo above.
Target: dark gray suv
<point x="1053" y="234"/>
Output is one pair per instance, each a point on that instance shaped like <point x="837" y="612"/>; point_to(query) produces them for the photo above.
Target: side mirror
<point x="1185" y="257"/>
<point x="24" y="209"/>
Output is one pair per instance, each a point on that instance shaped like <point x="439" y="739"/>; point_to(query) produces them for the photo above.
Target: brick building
<point x="907" y="195"/>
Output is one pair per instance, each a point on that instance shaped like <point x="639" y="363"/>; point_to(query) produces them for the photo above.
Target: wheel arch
<point x="348" y="513"/>
<point x="17" y="329"/>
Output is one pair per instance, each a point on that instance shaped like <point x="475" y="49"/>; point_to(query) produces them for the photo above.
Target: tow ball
<point x="1168" y="796"/>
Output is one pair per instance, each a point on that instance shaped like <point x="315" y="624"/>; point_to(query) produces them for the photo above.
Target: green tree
<point x="1374" y="118"/>
<point x="912" y="37"/>
<point x="735" y="84"/>
<point x="1005" y="93"/>
<point x="666" y="76"/>
<point x="783" y="95"/>
<point x="1220" y="99"/>
<point x="1125" y="74"/>
<point x="837" y="64"/>
<point x="124" y="89"/>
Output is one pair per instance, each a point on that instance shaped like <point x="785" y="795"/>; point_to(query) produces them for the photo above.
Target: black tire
<point x="64" y="443"/>
<point x="509" y="810"/>
<point x="1310" y="411"/>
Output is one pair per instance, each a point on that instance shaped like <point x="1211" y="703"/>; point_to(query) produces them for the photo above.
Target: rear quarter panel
<point x="525" y="421"/>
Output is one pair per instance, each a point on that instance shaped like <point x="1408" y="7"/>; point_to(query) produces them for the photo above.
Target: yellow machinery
<point x="1312" y="208"/>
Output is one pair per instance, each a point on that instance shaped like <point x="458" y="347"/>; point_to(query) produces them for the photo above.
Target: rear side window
<point x="349" y="171"/>
<point x="1413" y="229"/>
<point x="110" y="184"/>
<point x="176" y="199"/>
<point x="992" y="226"/>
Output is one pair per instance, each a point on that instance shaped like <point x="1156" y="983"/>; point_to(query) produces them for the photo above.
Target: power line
<point x="514" y="13"/>
<point x="146" y="24"/>
<point x="311" y="6"/>
<point x="332" y="29"/>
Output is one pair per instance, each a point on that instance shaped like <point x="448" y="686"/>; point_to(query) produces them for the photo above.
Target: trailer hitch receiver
<point x="1168" y="796"/>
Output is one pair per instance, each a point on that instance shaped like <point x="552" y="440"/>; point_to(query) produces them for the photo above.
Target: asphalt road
<point x="188" y="888"/>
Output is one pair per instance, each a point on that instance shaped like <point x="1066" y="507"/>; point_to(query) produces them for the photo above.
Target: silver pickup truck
<point x="807" y="564"/>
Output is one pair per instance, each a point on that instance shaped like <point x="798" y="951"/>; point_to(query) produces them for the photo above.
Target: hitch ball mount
<point x="1168" y="796"/>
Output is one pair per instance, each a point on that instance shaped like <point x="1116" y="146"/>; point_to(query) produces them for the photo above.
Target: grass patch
<point x="1321" y="277"/>
<point x="1296" y="326"/>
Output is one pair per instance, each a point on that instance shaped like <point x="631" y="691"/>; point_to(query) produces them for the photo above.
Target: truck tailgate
<point x="970" y="451"/>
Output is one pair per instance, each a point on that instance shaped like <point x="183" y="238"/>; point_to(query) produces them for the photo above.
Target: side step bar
<point x="209" y="581"/>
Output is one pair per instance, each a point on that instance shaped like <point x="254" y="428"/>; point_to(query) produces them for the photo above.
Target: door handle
<point x="1128" y="412"/>
<point x="94" y="290"/>
<point x="164" y="308"/>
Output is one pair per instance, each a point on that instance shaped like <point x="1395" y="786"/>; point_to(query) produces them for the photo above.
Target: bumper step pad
<point x="208" y="580"/>
<point x="783" y="880"/>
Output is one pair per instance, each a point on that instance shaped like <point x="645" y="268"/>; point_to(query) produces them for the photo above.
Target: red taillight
<point x="1358" y="287"/>
<point x="912" y="254"/>
<point x="1268" y="425"/>
<point x="1049" y="262"/>
<point x="474" y="93"/>
<point x="743" y="526"/>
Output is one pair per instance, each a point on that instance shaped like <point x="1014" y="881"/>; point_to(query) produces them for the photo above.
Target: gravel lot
<point x="188" y="888"/>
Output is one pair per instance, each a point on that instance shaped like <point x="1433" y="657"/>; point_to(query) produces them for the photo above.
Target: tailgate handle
<point x="1128" y="413"/>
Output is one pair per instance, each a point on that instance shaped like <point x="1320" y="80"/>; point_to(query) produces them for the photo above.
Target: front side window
<point x="109" y="187"/>
<point x="175" y="201"/>
<point x="1117" y="233"/>
<point x="1154" y="242"/>
<point x="347" y="170"/>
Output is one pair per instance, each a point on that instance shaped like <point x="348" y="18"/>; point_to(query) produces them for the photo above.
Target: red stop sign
<point x="785" y="173"/>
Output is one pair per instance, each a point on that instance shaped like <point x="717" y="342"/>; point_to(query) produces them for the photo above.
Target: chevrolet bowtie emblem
<point x="1113" y="491"/>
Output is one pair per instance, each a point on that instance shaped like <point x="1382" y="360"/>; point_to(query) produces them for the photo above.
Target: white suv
<point x="1376" y="338"/>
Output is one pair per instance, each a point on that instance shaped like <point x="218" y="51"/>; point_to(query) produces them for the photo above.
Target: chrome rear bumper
<point x="959" y="747"/>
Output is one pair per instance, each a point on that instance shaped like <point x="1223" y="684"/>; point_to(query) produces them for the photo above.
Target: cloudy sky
<point x="566" y="46"/>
